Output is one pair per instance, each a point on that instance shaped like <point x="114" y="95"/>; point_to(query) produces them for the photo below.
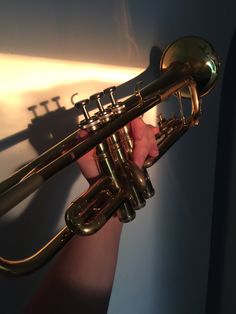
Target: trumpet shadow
<point x="41" y="214"/>
<point x="48" y="202"/>
<point x="39" y="220"/>
<point x="151" y="73"/>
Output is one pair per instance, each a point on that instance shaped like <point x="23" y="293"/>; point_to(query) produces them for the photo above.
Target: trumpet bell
<point x="201" y="58"/>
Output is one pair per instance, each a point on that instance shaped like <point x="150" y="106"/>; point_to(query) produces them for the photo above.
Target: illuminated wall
<point x="58" y="48"/>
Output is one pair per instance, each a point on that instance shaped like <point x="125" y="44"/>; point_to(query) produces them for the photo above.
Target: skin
<point x="81" y="278"/>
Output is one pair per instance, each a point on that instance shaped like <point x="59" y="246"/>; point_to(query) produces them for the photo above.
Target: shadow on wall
<point x="37" y="223"/>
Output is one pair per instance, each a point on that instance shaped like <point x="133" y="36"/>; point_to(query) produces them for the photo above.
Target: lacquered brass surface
<point x="190" y="69"/>
<point x="199" y="55"/>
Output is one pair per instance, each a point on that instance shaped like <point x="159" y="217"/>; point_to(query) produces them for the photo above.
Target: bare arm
<point x="82" y="276"/>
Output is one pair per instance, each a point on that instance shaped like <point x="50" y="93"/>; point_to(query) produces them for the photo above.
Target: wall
<point x="164" y="253"/>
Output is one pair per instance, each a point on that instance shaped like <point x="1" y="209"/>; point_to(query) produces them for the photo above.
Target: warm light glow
<point x="27" y="80"/>
<point x="24" y="73"/>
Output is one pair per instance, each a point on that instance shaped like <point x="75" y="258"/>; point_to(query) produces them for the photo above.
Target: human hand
<point x="144" y="145"/>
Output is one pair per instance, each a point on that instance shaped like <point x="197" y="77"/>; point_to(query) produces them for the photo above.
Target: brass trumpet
<point x="189" y="69"/>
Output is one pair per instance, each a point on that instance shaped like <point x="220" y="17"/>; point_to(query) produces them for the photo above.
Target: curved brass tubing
<point x="189" y="69"/>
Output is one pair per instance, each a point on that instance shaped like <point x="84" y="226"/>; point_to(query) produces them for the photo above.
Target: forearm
<point x="81" y="278"/>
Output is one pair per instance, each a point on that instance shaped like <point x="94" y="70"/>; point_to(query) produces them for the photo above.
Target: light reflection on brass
<point x="120" y="185"/>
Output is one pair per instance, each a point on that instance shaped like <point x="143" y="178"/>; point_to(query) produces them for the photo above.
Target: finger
<point x="146" y="146"/>
<point x="154" y="151"/>
<point x="87" y="162"/>
<point x="137" y="128"/>
<point x="155" y="130"/>
<point x="140" y="152"/>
